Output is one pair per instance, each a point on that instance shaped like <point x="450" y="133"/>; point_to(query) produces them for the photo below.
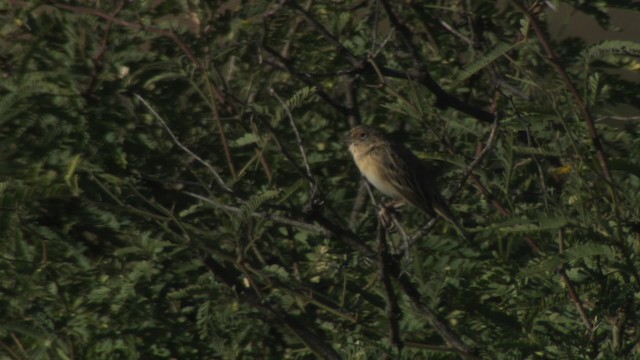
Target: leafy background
<point x="174" y="182"/>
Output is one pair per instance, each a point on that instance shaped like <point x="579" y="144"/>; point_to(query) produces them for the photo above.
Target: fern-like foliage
<point x="239" y="227"/>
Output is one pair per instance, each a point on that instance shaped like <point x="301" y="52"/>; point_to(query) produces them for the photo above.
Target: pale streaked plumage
<point x="397" y="172"/>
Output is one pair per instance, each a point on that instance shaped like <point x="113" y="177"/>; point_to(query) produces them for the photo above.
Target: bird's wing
<point x="415" y="182"/>
<point x="412" y="179"/>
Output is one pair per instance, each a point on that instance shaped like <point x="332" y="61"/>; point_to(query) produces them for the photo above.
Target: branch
<point x="310" y="338"/>
<point x="586" y="114"/>
<point x="393" y="309"/>
<point x="468" y="171"/>
<point x="443" y="99"/>
<point x="98" y="57"/>
<point x="217" y="94"/>
<point x="472" y="166"/>
<point x="323" y="227"/>
<point x="285" y="65"/>
<point x="334" y="231"/>
<point x="438" y="325"/>
<point x="575" y="298"/>
<point x="363" y="66"/>
<point x="313" y="184"/>
<point x="168" y="34"/>
<point x="342" y="50"/>
<point x="184" y="148"/>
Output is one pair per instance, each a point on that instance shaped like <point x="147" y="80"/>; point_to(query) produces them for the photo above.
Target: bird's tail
<point x="444" y="212"/>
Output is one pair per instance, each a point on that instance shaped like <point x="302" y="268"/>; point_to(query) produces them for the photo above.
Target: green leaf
<point x="498" y="51"/>
<point x="612" y="48"/>
<point x="246" y="139"/>
<point x="543" y="223"/>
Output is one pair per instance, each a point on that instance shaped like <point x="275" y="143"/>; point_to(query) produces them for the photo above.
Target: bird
<point x="397" y="172"/>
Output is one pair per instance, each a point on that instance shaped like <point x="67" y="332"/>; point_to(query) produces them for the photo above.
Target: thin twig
<point x="312" y="181"/>
<point x="261" y="215"/>
<point x="384" y="210"/>
<point x="440" y="326"/>
<point x="405" y="34"/>
<point x="416" y="298"/>
<point x="383" y="44"/>
<point x="444" y="99"/>
<point x="98" y="57"/>
<point x="358" y="204"/>
<point x="595" y="139"/>
<point x="491" y="141"/>
<point x="218" y="120"/>
<point x="292" y="30"/>
<point x="617" y="118"/>
<point x="474" y="34"/>
<point x="575" y="298"/>
<point x="465" y="175"/>
<point x="455" y="32"/>
<point x="351" y="101"/>
<point x="323" y="226"/>
<point x="374" y="26"/>
<point x="570" y="288"/>
<point x="215" y="91"/>
<point x="480" y="186"/>
<point x="184" y="148"/>
<point x="286" y="152"/>
<point x="393" y="309"/>
<point x="329" y="229"/>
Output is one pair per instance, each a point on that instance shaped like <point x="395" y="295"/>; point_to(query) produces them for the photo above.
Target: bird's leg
<point x="388" y="210"/>
<point x="389" y="217"/>
<point x="385" y="216"/>
<point x="395" y="204"/>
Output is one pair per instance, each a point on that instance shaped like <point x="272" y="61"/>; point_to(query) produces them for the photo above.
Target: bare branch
<point x="184" y="148"/>
<point x="306" y="333"/>
<point x="261" y="215"/>
<point x="393" y="309"/>
<point x="312" y="181"/>
<point x="493" y="135"/>
<point x="324" y="227"/>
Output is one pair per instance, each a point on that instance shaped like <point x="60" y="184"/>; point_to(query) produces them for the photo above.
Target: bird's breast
<point x="371" y="165"/>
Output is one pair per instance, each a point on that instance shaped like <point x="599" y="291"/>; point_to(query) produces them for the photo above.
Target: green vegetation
<point x="174" y="185"/>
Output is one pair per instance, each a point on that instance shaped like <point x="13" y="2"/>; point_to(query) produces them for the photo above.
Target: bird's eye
<point x="363" y="135"/>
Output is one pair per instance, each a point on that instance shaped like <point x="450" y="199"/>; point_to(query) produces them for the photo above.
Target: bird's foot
<point x="388" y="213"/>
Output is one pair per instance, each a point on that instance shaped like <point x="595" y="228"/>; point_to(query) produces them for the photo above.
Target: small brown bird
<point x="397" y="172"/>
